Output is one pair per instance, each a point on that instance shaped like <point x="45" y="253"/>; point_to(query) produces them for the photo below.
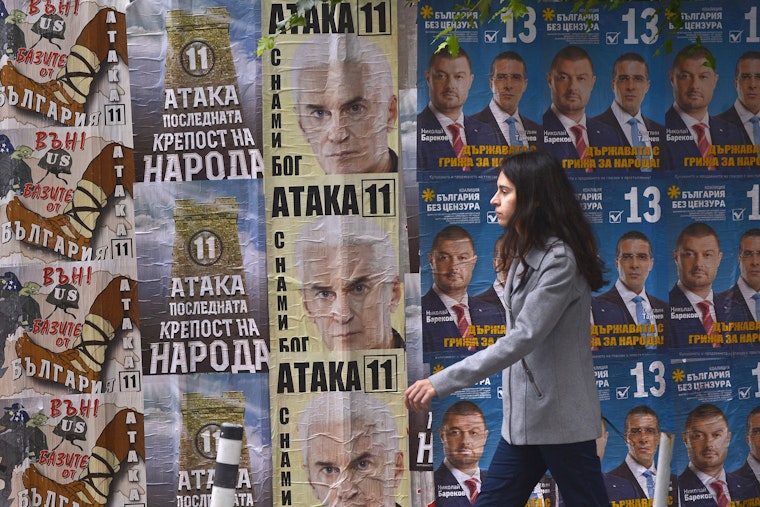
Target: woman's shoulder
<point x="556" y="250"/>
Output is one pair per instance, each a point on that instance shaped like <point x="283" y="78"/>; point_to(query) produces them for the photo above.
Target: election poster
<point x="184" y="414"/>
<point x="197" y="90"/>
<point x="334" y="228"/>
<point x="655" y="130"/>
<point x="71" y="376"/>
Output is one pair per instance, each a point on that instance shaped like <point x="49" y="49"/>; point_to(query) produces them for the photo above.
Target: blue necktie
<point x="755" y="121"/>
<point x="756" y="297"/>
<point x="512" y="124"/>
<point x="641" y="318"/>
<point x="636" y="141"/>
<point x="650" y="483"/>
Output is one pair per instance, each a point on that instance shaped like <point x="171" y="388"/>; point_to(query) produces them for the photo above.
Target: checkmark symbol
<point x="490" y="36"/>
<point x="612" y="37"/>
<point x="735" y="36"/>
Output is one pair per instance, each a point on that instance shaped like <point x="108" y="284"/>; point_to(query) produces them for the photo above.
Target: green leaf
<point x="265" y="44"/>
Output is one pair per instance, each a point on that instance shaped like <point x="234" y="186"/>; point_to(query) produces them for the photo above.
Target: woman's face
<point x="504" y="200"/>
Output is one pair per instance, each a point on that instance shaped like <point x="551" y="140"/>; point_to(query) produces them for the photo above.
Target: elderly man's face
<point x="349" y="465"/>
<point x="347" y="299"/>
<point x="693" y="85"/>
<point x="343" y="118"/>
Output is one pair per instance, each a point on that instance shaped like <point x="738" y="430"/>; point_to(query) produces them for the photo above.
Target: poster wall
<point x="334" y="225"/>
<point x="660" y="146"/>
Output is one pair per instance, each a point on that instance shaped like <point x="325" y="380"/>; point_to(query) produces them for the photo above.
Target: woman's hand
<point x="417" y="396"/>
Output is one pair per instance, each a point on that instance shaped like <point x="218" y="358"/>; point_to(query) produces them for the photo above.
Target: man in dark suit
<point x="704" y="482"/>
<point x="494" y="295"/>
<point x="751" y="468"/>
<point x="690" y="130"/>
<point x="568" y="133"/>
<point x="450" y="317"/>
<point x="745" y="112"/>
<point x="508" y="81"/>
<point x="642" y="436"/>
<point x="627" y="302"/>
<point x="443" y="131"/>
<point x="459" y="477"/>
<point x="630" y="83"/>
<point x="743" y="299"/>
<point x="694" y="308"/>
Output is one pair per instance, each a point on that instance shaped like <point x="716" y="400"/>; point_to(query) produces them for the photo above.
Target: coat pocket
<point x="532" y="380"/>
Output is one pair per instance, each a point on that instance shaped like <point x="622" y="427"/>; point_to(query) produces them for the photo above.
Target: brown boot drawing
<point x="123" y="434"/>
<point x="66" y="95"/>
<point x="85" y="359"/>
<point x="70" y="233"/>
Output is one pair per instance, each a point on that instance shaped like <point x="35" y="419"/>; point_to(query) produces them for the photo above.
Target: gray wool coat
<point x="550" y="394"/>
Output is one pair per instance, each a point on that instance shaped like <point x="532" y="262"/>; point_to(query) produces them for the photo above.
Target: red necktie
<point x="580" y="143"/>
<point x="702" y="143"/>
<point x="472" y="485"/>
<point x="720" y="491"/>
<point x="457" y="142"/>
<point x="707" y="321"/>
<point x="462" y="324"/>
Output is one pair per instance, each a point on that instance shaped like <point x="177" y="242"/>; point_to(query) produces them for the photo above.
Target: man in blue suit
<point x="740" y="300"/>
<point x="690" y="129"/>
<point x="751" y="468"/>
<point x="705" y="481"/>
<point x="463" y="434"/>
<point x="630" y="83"/>
<point x="627" y="302"/>
<point x="450" y="317"/>
<point x="508" y="82"/>
<point x="642" y="436"/>
<point x="442" y="128"/>
<point x="747" y="105"/>
<point x="694" y="308"/>
<point x="568" y="133"/>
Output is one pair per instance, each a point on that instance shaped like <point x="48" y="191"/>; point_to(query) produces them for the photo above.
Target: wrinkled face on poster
<point x="707" y="440"/>
<point x="347" y="269"/>
<point x="344" y="100"/>
<point x="350" y="448"/>
<point x="642" y="436"/>
<point x="349" y="297"/>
